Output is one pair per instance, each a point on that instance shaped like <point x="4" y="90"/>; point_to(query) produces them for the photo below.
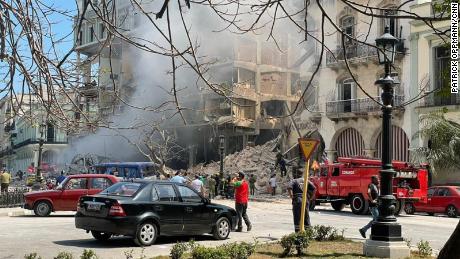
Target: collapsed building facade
<point x="262" y="85"/>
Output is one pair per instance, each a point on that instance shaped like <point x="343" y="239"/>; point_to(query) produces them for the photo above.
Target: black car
<point x="146" y="209"/>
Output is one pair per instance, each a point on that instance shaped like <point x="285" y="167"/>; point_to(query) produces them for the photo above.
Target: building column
<point x="331" y="155"/>
<point x="369" y="152"/>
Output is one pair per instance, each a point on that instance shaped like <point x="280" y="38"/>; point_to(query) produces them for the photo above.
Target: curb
<point x="15" y="213"/>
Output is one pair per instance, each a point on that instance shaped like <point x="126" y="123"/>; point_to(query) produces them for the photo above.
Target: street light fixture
<point x="386" y="45"/>
<point x="386" y="232"/>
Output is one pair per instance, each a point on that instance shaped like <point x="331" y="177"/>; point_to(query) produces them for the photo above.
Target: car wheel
<point x="101" y="236"/>
<point x="451" y="211"/>
<point x="146" y="234"/>
<point x="42" y="208"/>
<point x="222" y="229"/>
<point x="358" y="204"/>
<point x="409" y="208"/>
<point x="399" y="206"/>
<point x="338" y="205"/>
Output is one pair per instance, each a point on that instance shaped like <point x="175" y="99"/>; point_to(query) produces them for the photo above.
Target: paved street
<point x="48" y="236"/>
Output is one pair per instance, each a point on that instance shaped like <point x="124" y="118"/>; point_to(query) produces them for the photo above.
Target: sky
<point x="61" y="28"/>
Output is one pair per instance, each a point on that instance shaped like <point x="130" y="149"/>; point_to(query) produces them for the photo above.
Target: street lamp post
<point x="221" y="148"/>
<point x="38" y="176"/>
<point x="386" y="239"/>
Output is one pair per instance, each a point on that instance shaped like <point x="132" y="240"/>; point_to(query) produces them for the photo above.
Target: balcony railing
<point x="435" y="100"/>
<point x="59" y="139"/>
<point x="362" y="105"/>
<point x="358" y="51"/>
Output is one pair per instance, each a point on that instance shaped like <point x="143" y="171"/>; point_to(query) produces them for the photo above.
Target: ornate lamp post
<point x="38" y="175"/>
<point x="386" y="239"/>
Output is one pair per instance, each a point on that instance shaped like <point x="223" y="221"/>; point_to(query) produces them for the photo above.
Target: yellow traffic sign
<point x="308" y="146"/>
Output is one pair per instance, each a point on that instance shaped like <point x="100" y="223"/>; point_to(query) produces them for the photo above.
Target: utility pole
<point x="222" y="149"/>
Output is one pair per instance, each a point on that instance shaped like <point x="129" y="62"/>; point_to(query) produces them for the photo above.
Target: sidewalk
<point x="15" y="211"/>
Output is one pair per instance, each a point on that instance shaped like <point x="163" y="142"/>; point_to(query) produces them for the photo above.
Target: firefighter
<point x="295" y="190"/>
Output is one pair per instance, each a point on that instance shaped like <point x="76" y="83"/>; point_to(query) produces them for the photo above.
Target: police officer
<point x="295" y="190"/>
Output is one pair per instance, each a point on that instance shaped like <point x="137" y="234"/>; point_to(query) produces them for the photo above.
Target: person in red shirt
<point x="241" y="201"/>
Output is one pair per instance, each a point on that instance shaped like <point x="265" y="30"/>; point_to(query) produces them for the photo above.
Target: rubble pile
<point x="257" y="160"/>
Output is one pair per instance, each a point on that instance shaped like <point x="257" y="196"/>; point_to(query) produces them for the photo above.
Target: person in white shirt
<point x="178" y="178"/>
<point x="273" y="184"/>
<point x="197" y="185"/>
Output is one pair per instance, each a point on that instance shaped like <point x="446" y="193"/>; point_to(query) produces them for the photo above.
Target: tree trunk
<point x="452" y="247"/>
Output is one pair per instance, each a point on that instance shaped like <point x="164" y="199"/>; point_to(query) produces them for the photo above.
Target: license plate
<point x="94" y="206"/>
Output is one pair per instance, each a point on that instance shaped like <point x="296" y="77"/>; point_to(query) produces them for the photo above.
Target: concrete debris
<point x="257" y="160"/>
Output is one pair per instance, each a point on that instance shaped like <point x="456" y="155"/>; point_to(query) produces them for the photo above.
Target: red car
<point x="65" y="196"/>
<point x="441" y="199"/>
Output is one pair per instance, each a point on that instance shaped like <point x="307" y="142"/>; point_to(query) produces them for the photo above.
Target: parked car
<point x="146" y="209"/>
<point x="65" y="196"/>
<point x="441" y="199"/>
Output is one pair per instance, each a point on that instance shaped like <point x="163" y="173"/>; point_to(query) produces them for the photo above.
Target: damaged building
<point x="261" y="85"/>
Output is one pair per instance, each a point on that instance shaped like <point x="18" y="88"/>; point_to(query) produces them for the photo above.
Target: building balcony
<point x="354" y="108"/>
<point x="434" y="100"/>
<point x="89" y="89"/>
<point x="358" y="54"/>
<point x="47" y="141"/>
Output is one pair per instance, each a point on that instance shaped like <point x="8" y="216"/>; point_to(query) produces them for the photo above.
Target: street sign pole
<point x="304" y="196"/>
<point x="307" y="146"/>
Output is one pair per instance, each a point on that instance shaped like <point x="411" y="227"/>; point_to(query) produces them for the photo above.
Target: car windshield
<point x="123" y="189"/>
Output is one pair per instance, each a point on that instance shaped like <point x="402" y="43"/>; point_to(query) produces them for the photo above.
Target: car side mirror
<point x="206" y="201"/>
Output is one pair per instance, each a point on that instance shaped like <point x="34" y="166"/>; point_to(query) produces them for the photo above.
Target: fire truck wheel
<point x="358" y="204"/>
<point x="338" y="205"/>
<point x="409" y="208"/>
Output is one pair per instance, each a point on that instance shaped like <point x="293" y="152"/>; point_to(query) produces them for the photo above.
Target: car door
<point x="333" y="181"/>
<point x="438" y="199"/>
<point x="168" y="208"/>
<point x="443" y="199"/>
<point x="427" y="207"/>
<point x="74" y="188"/>
<point x="97" y="184"/>
<point x="196" y="218"/>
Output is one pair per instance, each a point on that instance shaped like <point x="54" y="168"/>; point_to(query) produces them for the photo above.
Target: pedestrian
<point x="252" y="184"/>
<point x="21" y="175"/>
<point x="372" y="193"/>
<point x="273" y="184"/>
<point x="178" y="178"/>
<point x="197" y="185"/>
<point x="212" y="187"/>
<point x="241" y="202"/>
<point x="60" y="178"/>
<point x="281" y="163"/>
<point x="5" y="179"/>
<point x="218" y="182"/>
<point x="295" y="190"/>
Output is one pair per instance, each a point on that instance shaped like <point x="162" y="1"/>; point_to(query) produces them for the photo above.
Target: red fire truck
<point x="346" y="182"/>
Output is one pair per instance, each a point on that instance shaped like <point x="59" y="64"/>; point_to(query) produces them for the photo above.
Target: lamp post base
<point x="386" y="231"/>
<point x="386" y="249"/>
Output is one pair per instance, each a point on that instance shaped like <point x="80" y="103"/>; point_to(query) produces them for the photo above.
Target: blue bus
<point x="127" y="169"/>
